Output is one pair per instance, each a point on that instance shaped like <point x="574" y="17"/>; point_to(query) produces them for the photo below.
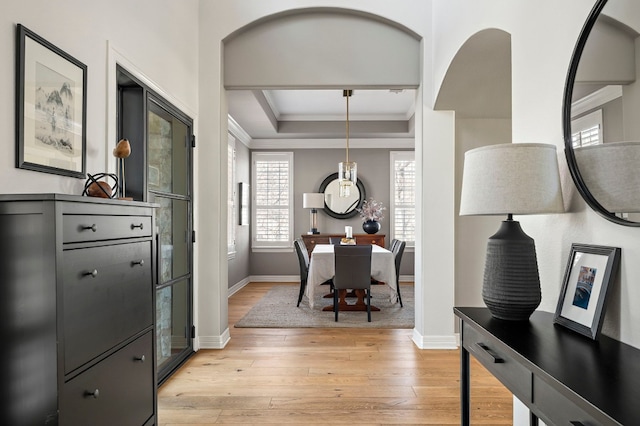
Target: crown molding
<point x="596" y="99"/>
<point x="238" y="132"/>
<point x="386" y="143"/>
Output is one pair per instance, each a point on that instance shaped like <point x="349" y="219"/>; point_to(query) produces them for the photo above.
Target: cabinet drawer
<point x="117" y="391"/>
<point x="80" y="228"/>
<point x="493" y="355"/>
<point x="555" y="408"/>
<point x="106" y="295"/>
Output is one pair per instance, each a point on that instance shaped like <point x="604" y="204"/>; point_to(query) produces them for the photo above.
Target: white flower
<point x="371" y="210"/>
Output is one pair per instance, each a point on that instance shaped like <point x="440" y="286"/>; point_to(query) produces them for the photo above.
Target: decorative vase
<point x="371" y="226"/>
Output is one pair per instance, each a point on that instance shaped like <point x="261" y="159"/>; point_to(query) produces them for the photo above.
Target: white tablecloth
<point x="322" y="267"/>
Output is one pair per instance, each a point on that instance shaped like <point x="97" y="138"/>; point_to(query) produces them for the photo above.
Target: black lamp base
<point x="511" y="288"/>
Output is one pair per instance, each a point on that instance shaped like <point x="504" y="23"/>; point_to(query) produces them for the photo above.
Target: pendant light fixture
<point x="347" y="170"/>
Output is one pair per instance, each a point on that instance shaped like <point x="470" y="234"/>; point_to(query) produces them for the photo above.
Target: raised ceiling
<point x="321" y="114"/>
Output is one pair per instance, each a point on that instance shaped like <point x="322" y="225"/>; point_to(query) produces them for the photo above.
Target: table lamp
<point x="313" y="201"/>
<point x="511" y="179"/>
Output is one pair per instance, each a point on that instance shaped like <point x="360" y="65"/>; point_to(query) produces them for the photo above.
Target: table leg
<point x="360" y="304"/>
<point x="465" y="393"/>
<point x="533" y="419"/>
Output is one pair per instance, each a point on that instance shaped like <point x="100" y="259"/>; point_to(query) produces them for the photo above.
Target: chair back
<point x="303" y="258"/>
<point x="397" y="251"/>
<point x="393" y="244"/>
<point x="353" y="267"/>
<point x="335" y="240"/>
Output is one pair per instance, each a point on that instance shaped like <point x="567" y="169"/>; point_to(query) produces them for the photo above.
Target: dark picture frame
<point x="51" y="107"/>
<point x="588" y="276"/>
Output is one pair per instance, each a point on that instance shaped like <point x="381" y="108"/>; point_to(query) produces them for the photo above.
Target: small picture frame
<point x="51" y="106"/>
<point x="587" y="279"/>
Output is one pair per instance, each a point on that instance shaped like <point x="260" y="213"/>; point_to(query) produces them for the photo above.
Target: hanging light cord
<point x="347" y="93"/>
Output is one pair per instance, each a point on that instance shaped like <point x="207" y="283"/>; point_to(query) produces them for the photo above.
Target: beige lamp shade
<point x="312" y="200"/>
<point x="520" y="178"/>
<point x="611" y="172"/>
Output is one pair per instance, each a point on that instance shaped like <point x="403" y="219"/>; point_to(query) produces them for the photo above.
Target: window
<point x="272" y="207"/>
<point x="403" y="196"/>
<point x="231" y="195"/>
<point x="587" y="130"/>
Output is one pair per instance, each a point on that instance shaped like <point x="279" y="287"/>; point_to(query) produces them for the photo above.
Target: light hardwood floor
<point x="324" y="376"/>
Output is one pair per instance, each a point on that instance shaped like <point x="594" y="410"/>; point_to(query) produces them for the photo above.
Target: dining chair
<point x="393" y="244"/>
<point x="335" y="240"/>
<point x="303" y="261"/>
<point x="352" y="272"/>
<point x="398" y="250"/>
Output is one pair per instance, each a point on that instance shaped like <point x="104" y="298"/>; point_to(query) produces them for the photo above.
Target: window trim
<point x="271" y="246"/>
<point x="231" y="198"/>
<point x="393" y="157"/>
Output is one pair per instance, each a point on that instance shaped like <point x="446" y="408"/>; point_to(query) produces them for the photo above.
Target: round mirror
<point x="337" y="206"/>
<point x="601" y="106"/>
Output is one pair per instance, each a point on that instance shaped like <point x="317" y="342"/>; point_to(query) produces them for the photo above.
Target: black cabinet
<point x="76" y="311"/>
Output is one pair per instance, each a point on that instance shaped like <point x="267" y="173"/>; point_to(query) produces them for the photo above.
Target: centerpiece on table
<point x="371" y="213"/>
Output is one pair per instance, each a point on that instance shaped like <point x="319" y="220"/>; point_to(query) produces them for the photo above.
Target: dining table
<point x="322" y="268"/>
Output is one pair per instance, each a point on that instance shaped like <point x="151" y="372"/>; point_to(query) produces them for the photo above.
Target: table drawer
<point x="106" y="294"/>
<point x="555" y="408"/>
<point x="81" y="228"/>
<point x="117" y="391"/>
<point x="494" y="356"/>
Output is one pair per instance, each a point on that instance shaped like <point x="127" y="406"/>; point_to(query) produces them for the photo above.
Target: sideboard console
<point x="310" y="240"/>
<point x="562" y="377"/>
<point x="77" y="311"/>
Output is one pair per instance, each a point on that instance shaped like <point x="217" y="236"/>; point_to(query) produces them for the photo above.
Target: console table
<point x="564" y="378"/>
<point x="310" y="240"/>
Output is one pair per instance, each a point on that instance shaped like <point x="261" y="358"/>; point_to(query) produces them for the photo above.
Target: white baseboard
<point x="238" y="286"/>
<point x="434" y="342"/>
<point x="213" y="342"/>
<point x="407" y="278"/>
<point x="275" y="278"/>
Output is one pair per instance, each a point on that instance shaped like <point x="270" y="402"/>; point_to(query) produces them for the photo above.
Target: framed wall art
<point x="50" y="107"/>
<point x="587" y="279"/>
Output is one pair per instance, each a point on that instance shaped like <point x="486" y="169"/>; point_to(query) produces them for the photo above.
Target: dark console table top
<point x="604" y="372"/>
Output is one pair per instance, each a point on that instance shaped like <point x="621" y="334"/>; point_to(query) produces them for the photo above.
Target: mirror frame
<point x="566" y="120"/>
<point x="352" y="213"/>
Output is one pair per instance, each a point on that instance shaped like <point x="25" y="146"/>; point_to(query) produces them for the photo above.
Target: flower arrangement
<point x="371" y="210"/>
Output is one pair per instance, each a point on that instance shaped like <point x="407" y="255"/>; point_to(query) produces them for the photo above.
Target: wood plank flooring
<point x="324" y="376"/>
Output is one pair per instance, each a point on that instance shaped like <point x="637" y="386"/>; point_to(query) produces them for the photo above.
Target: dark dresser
<point x="77" y="311"/>
<point x="564" y="378"/>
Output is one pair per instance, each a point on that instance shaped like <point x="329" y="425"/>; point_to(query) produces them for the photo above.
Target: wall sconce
<point x="313" y="201"/>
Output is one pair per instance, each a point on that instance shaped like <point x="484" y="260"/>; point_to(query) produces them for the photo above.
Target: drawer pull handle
<point x="577" y="423"/>
<point x="93" y="227"/>
<point x="93" y="273"/>
<point x="489" y="355"/>
<point x="95" y="393"/>
<point x="137" y="262"/>
<point x="140" y="358"/>
<point x="134" y="226"/>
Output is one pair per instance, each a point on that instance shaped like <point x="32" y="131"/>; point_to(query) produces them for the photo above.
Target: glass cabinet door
<point x="159" y="170"/>
<point x="168" y="185"/>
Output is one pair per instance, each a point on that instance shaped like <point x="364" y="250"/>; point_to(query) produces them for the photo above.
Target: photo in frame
<point x="588" y="276"/>
<point x="50" y="107"/>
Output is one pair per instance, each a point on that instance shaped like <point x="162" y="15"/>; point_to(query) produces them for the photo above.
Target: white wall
<point x="230" y="16"/>
<point x="543" y="35"/>
<point x="147" y="32"/>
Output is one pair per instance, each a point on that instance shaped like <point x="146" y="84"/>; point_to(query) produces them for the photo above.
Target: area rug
<point x="277" y="309"/>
